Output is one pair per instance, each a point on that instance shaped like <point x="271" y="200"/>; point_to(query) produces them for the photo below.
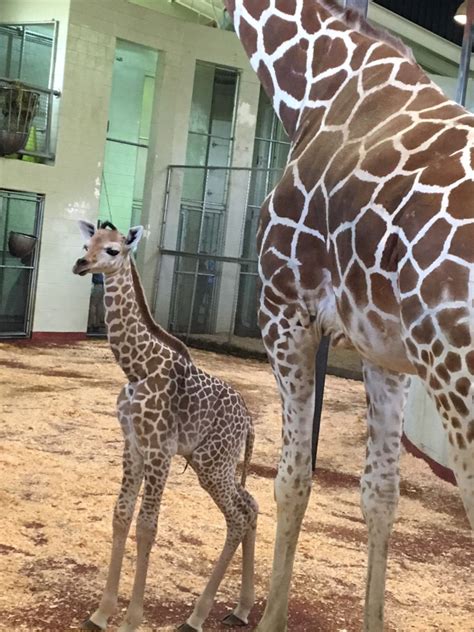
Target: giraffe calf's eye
<point x="112" y="252"/>
<point x="86" y="248"/>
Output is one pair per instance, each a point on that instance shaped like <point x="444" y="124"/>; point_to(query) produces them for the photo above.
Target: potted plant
<point x="18" y="105"/>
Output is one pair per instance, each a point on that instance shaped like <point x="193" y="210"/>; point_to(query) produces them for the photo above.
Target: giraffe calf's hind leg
<point x="240" y="512"/>
<point x="90" y="625"/>
<point x="239" y="617"/>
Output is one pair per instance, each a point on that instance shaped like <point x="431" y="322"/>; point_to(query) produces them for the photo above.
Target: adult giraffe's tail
<point x="249" y="441"/>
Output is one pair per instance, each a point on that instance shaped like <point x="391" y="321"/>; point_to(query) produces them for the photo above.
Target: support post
<point x="465" y="63"/>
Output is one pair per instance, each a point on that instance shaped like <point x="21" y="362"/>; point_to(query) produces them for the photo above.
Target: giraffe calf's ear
<point x="87" y="229"/>
<point x="133" y="237"/>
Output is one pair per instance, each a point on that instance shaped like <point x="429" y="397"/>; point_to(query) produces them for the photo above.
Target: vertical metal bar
<point x="8" y="68"/>
<point x="6" y="202"/>
<point x="52" y="63"/>
<point x="52" y="68"/>
<point x="466" y="52"/>
<point x="31" y="299"/>
<point x="7" y="217"/>
<point x="196" y="268"/>
<point x="49" y="123"/>
<point x="359" y="5"/>
<point x="22" y="50"/>
<point x="166" y="205"/>
<point x="161" y="243"/>
<point x="239" y="265"/>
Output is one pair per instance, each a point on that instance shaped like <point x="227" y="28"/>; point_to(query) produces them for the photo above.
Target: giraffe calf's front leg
<point x="123" y="514"/>
<point x="156" y="469"/>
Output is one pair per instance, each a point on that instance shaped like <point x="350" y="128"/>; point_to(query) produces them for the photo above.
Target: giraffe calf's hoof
<point x="186" y="628"/>
<point x="233" y="621"/>
<point x="90" y="625"/>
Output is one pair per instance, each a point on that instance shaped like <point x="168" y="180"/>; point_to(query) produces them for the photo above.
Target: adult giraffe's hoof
<point x="233" y="621"/>
<point x="90" y="625"/>
<point x="186" y="628"/>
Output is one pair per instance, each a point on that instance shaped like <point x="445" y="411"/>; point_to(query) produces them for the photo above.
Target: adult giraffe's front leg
<point x="291" y="345"/>
<point x="386" y="396"/>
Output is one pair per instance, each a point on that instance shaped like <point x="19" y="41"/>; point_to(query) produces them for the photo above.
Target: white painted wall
<point x="423" y="425"/>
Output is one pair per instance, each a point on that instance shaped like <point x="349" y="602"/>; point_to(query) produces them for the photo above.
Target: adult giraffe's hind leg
<point x="291" y="345"/>
<point x="386" y="396"/>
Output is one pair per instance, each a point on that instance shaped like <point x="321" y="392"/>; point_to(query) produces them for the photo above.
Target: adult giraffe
<point x="368" y="235"/>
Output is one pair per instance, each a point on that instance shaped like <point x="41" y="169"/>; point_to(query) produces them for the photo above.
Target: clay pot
<point x="20" y="244"/>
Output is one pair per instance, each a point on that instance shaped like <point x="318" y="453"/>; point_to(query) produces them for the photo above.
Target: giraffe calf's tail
<point x="249" y="441"/>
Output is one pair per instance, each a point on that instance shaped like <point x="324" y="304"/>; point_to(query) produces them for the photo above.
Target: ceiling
<point x="436" y="16"/>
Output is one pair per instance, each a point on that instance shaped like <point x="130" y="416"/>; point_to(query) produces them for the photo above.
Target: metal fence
<point x="207" y="284"/>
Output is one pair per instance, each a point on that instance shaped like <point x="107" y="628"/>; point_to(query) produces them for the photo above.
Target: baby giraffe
<point x="167" y="407"/>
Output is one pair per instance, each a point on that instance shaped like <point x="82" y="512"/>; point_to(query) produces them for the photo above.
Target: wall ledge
<point x="48" y="337"/>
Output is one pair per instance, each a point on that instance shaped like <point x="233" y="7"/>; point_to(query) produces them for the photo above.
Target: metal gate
<point x="21" y="215"/>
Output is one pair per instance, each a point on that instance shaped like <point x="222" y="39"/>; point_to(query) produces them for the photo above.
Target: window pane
<point x="212" y="115"/>
<point x="133" y="86"/>
<point x="26" y="52"/>
<point x="14" y="291"/>
<point x="203" y="286"/>
<point x="202" y="98"/>
<point x="130" y="112"/>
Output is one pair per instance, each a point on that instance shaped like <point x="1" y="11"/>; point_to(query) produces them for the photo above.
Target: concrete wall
<point x="88" y="31"/>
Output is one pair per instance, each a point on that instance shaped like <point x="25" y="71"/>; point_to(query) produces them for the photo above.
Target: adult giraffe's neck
<point x="137" y="342"/>
<point x="301" y="50"/>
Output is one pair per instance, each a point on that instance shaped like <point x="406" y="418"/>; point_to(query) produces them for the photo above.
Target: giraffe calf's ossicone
<point x="168" y="407"/>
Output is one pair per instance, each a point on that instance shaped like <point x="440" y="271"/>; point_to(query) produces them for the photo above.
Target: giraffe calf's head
<point x="106" y="248"/>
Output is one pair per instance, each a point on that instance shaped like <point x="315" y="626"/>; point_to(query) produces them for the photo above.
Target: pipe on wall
<point x="465" y="63"/>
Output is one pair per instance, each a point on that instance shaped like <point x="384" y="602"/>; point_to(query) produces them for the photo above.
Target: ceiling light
<point x="461" y="14"/>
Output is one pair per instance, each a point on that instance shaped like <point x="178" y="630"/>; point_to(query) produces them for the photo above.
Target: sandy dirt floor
<point x="60" y="460"/>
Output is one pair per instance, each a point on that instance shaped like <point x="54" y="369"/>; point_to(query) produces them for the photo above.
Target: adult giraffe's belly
<point x="376" y="335"/>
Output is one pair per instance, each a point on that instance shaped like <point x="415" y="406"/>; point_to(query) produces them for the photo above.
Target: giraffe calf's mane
<point x="152" y="326"/>
<point x="354" y="20"/>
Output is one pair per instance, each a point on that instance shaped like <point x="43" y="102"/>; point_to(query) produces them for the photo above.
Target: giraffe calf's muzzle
<point x="81" y="267"/>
